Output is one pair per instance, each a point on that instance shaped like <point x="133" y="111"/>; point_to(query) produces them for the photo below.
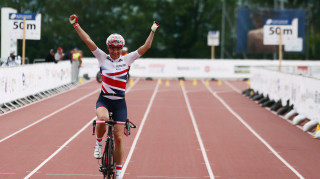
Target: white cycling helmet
<point x="115" y="40"/>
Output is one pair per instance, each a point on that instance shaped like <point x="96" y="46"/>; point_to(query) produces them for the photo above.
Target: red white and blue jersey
<point x="114" y="73"/>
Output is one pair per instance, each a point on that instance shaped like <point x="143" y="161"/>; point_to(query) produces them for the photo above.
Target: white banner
<point x="200" y="68"/>
<point x="22" y="81"/>
<point x="302" y="92"/>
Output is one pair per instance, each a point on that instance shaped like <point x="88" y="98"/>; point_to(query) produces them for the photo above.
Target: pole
<point x="222" y="28"/>
<point x="24" y="41"/>
<point x="280" y="49"/>
<point x="212" y="51"/>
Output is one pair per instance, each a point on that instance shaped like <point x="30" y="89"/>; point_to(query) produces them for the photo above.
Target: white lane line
<point x="254" y="133"/>
<point x="75" y="87"/>
<point x="139" y="131"/>
<point x="233" y="87"/>
<point x="68" y="141"/>
<point x="66" y="174"/>
<point x="195" y="126"/>
<point x="275" y="113"/>
<point x="162" y="177"/>
<point x="60" y="148"/>
<point x="57" y="111"/>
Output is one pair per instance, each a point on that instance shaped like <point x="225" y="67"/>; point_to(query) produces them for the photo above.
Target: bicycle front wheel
<point x="109" y="160"/>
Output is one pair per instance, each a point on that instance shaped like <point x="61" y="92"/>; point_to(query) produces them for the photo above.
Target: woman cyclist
<point x="114" y="77"/>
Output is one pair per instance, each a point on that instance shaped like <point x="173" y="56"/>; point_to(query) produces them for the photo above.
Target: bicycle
<point x="108" y="163"/>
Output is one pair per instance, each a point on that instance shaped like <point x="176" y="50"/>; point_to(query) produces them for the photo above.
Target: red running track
<point x="188" y="131"/>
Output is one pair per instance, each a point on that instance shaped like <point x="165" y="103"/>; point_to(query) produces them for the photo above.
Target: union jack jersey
<point x="114" y="73"/>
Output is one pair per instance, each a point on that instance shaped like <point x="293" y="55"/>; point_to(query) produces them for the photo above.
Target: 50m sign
<point x="33" y="25"/>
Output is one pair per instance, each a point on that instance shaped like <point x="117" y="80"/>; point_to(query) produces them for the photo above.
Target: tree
<point x="184" y="25"/>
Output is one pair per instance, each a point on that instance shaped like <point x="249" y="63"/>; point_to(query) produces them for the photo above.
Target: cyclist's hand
<point x="73" y="19"/>
<point x="155" y="26"/>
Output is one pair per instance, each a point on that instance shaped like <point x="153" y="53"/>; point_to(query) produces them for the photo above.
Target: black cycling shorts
<point x="117" y="107"/>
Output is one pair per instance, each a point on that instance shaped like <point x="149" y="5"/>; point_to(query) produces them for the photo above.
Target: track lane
<point x="243" y="156"/>
<point x="168" y="147"/>
<point x="233" y="151"/>
<point x="294" y="145"/>
<point x="24" y="151"/>
<point x="76" y="160"/>
<point x="20" y="118"/>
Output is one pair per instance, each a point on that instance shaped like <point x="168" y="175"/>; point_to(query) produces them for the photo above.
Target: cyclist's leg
<point x="120" y="115"/>
<point x="102" y="115"/>
<point x="119" y="149"/>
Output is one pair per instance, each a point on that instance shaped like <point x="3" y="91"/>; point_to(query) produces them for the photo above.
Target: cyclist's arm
<point x="82" y="34"/>
<point x="148" y="42"/>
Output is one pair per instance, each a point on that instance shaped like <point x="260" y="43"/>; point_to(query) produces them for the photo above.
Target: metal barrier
<point x="39" y="60"/>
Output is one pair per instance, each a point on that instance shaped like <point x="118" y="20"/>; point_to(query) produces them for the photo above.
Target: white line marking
<point x="233" y="87"/>
<point x="162" y="177"/>
<point x="59" y="110"/>
<point x="68" y="141"/>
<point x="139" y="131"/>
<point x="254" y="133"/>
<point x="282" y="117"/>
<point x="204" y="154"/>
<point x="75" y="87"/>
<point x="57" y="174"/>
<point x="60" y="148"/>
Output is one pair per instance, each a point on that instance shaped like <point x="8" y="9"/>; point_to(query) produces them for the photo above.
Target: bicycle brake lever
<point x="94" y="127"/>
<point x="133" y="126"/>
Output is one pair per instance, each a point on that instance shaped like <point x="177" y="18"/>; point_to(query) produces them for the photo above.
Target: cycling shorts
<point x="117" y="107"/>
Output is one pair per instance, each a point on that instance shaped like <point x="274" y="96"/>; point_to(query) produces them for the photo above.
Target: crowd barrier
<point x="300" y="91"/>
<point x="303" y="92"/>
<point x="21" y="81"/>
<point x="198" y="68"/>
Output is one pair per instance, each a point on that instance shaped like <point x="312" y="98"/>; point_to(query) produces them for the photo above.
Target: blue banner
<point x="20" y="16"/>
<point x="250" y="24"/>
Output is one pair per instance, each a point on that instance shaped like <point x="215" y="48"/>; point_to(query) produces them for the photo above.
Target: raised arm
<point x="82" y="34"/>
<point x="148" y="42"/>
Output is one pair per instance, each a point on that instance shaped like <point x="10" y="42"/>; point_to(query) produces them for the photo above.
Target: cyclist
<point x="114" y="77"/>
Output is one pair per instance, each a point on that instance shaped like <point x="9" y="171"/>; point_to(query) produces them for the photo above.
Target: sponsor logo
<point x="207" y="69"/>
<point x="121" y="66"/>
<point x="242" y="69"/>
<point x="138" y="67"/>
<point x="188" y="68"/>
<point x="157" y="68"/>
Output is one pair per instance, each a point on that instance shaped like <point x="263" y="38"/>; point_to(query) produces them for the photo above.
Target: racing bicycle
<point x="108" y="164"/>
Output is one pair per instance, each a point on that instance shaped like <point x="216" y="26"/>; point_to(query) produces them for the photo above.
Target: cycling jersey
<point x="114" y="73"/>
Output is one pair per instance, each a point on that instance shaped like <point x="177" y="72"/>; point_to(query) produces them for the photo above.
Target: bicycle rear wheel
<point x="99" y="77"/>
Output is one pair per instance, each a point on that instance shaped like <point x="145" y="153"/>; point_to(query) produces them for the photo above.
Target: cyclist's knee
<point x="102" y="114"/>
<point x="103" y="118"/>
<point x="118" y="138"/>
